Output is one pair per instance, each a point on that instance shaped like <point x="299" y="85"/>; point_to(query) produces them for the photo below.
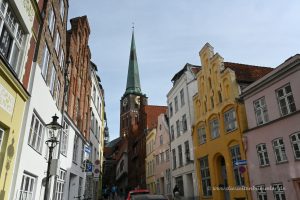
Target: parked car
<point x="136" y="192"/>
<point x="148" y="197"/>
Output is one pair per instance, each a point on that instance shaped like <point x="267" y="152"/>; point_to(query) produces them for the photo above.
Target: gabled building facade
<point x="220" y="120"/>
<point x="45" y="85"/>
<point x="18" y="25"/>
<point x="162" y="170"/>
<point x="273" y="138"/>
<point x="181" y="117"/>
<point x="150" y="160"/>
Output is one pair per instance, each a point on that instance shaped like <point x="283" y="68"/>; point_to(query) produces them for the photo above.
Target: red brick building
<point x="79" y="56"/>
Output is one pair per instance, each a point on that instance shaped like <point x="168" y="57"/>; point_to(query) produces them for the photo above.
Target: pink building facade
<point x="162" y="154"/>
<point x="272" y="141"/>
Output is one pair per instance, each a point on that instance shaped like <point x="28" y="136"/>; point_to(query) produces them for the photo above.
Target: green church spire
<point x="133" y="78"/>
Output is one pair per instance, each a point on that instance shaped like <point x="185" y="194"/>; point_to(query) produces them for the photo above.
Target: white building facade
<point x="181" y="116"/>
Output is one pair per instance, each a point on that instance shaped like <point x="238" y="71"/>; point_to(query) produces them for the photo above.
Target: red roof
<point x="247" y="73"/>
<point x="152" y="113"/>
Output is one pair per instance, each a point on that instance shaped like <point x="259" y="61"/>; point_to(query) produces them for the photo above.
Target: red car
<point x="137" y="192"/>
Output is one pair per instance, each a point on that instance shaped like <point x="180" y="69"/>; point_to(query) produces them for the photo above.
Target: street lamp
<point x="53" y="129"/>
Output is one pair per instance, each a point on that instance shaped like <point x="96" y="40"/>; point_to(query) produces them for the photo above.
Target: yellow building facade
<point x="150" y="161"/>
<point x="13" y="98"/>
<point x="217" y="132"/>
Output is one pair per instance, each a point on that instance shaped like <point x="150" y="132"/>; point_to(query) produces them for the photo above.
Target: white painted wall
<point x="189" y="85"/>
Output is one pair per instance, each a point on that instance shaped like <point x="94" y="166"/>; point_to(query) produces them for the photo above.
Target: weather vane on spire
<point x="132" y="26"/>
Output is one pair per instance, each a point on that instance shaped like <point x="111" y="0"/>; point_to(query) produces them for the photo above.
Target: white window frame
<point x="75" y="149"/>
<point x="261" y="192"/>
<point x="295" y="141"/>
<point x="64" y="139"/>
<point x="182" y="97"/>
<point x="187" y="152"/>
<point x="57" y="92"/>
<point x="279" y="150"/>
<point x="13" y="29"/>
<point x="214" y="128"/>
<point x="57" y="42"/>
<point x="278" y="191"/>
<point x="201" y="135"/>
<point x="60" y="184"/>
<point x="205" y="180"/>
<point x="171" y="109"/>
<point x="28" y="187"/>
<point x="45" y="62"/>
<point x="174" y="158"/>
<point x="261" y="111"/>
<point x="172" y="133"/>
<point x="287" y="99"/>
<point x="176" y="103"/>
<point x="178" y="128"/>
<point x="62" y="9"/>
<point x="180" y="156"/>
<point x="52" y="79"/>
<point x="230" y="120"/>
<point x="51" y="21"/>
<point x="36" y="137"/>
<point x="235" y="156"/>
<point x="184" y="123"/>
<point x="262" y="154"/>
<point x="2" y="132"/>
<point x="62" y="59"/>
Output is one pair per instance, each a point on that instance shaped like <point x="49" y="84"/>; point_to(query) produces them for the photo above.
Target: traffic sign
<point x="240" y="162"/>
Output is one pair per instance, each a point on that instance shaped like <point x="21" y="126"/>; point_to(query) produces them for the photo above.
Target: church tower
<point x="133" y="99"/>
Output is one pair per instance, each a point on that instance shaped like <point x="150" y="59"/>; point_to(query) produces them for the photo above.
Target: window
<point x="62" y="58"/>
<point x="45" y="62"/>
<point x="279" y="150"/>
<point x="167" y="155"/>
<point x="205" y="176"/>
<point x="80" y="185"/>
<point x="82" y="153"/>
<point x="262" y="155"/>
<point x="60" y="183"/>
<point x="201" y="135"/>
<point x="184" y="123"/>
<point x="11" y="37"/>
<point x="171" y="109"/>
<point x="182" y="97"/>
<point x="261" y="112"/>
<point x="230" y="120"/>
<point x="278" y="191"/>
<point x="157" y="159"/>
<point x="261" y="192"/>
<point x="220" y="97"/>
<point x="161" y="140"/>
<point x="295" y="140"/>
<point x="1" y="137"/>
<point x="52" y="80"/>
<point x="64" y="139"/>
<point x="57" y="93"/>
<point x="212" y="102"/>
<point x="62" y="9"/>
<point x="286" y="100"/>
<point x="214" y="128"/>
<point x="162" y="157"/>
<point x="93" y="121"/>
<point x="36" y="133"/>
<point x="51" y="21"/>
<point x="235" y="156"/>
<point x="187" y="152"/>
<point x="27" y="187"/>
<point x="176" y="104"/>
<point x="75" y="148"/>
<point x="57" y="42"/>
<point x="174" y="158"/>
<point x="172" y="132"/>
<point x="180" y="155"/>
<point x="177" y="128"/>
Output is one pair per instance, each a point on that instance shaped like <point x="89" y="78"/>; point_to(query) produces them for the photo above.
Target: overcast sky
<point x="170" y="33"/>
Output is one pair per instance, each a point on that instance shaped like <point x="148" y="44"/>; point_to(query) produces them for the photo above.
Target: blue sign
<point x="240" y="162"/>
<point x="87" y="149"/>
<point x="89" y="167"/>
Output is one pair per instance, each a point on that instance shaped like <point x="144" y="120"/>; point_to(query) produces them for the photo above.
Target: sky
<point x="170" y="33"/>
